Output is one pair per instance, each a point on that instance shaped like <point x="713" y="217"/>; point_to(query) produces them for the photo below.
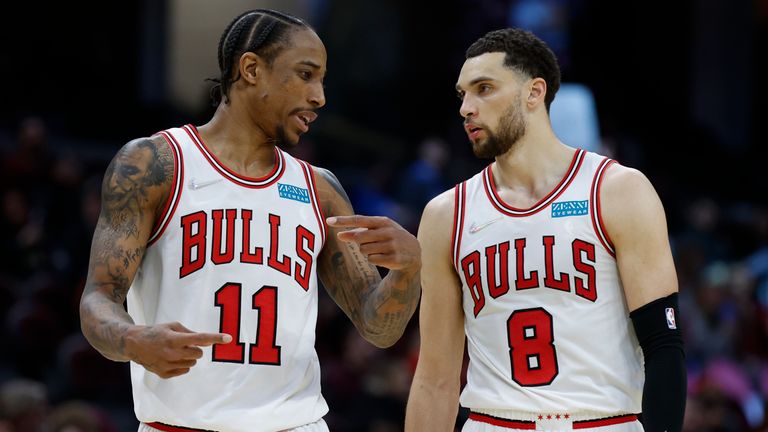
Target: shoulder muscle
<point x="634" y="218"/>
<point x="333" y="199"/>
<point x="137" y="180"/>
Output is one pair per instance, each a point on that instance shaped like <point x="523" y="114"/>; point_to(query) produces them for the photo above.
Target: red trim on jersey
<point x="496" y="200"/>
<point x="455" y="224"/>
<point x="249" y="182"/>
<point x="586" y="424"/>
<point x="176" y="187"/>
<point x="458" y="222"/>
<point x="309" y="175"/>
<point x="496" y="421"/>
<point x="594" y="210"/>
<point x="168" y="428"/>
<point x="529" y="425"/>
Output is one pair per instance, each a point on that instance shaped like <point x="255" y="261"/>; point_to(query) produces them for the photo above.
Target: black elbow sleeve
<point x="664" y="392"/>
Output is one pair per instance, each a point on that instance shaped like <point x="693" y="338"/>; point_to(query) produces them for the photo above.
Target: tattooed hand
<point x="383" y="241"/>
<point x="169" y="350"/>
<point x="380" y="309"/>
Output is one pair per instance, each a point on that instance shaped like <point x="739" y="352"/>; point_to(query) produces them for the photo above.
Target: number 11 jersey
<point x="547" y="326"/>
<point x="236" y="255"/>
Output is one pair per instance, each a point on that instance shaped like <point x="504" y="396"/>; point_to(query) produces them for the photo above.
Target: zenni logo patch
<point x="570" y="208"/>
<point x="292" y="192"/>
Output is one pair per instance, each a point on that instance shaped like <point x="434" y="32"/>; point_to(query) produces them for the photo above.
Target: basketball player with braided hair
<point x="552" y="263"/>
<point x="216" y="238"/>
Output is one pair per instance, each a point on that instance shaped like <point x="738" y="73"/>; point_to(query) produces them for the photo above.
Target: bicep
<point x="441" y="318"/>
<point x="635" y="220"/>
<point x="132" y="191"/>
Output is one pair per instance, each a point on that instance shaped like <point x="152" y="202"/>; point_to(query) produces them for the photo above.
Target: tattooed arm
<point x="380" y="309"/>
<point x="134" y="190"/>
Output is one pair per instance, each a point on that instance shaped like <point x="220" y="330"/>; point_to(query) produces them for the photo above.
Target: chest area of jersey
<point x="505" y="257"/>
<point x="256" y="231"/>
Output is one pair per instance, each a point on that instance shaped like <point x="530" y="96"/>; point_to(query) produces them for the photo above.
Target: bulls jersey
<point x="236" y="255"/>
<point x="546" y="321"/>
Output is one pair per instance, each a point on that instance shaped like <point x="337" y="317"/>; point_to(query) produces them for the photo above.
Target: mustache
<point x="298" y="110"/>
<point x="480" y="125"/>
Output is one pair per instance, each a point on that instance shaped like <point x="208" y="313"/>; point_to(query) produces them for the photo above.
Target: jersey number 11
<point x="263" y="350"/>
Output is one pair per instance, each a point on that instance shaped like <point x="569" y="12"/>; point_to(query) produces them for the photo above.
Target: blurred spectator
<point x="78" y="416"/>
<point x="548" y="19"/>
<point x="710" y="315"/>
<point x="369" y="193"/>
<point x="574" y="117"/>
<point x="23" y="406"/>
<point x="29" y="163"/>
<point x="424" y="178"/>
<point x="21" y="235"/>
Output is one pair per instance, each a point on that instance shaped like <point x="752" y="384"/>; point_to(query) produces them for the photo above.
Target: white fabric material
<point x="252" y="392"/>
<point x="572" y="353"/>
<point x="476" y="426"/>
<point x="318" y="426"/>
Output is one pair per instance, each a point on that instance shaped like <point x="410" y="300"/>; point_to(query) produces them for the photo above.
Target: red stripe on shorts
<point x="586" y="424"/>
<point x="512" y="424"/>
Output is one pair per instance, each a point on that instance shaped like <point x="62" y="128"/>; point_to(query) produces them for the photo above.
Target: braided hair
<point x="261" y="31"/>
<point x="525" y="53"/>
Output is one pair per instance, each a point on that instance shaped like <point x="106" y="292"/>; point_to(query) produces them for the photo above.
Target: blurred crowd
<point x="52" y="380"/>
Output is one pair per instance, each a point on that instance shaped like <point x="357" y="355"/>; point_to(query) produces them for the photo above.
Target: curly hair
<point x="525" y="53"/>
<point x="264" y="32"/>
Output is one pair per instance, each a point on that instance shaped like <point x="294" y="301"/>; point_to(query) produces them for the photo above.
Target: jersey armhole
<point x="594" y="209"/>
<point x="460" y="193"/>
<point x="309" y="176"/>
<point x="175" y="195"/>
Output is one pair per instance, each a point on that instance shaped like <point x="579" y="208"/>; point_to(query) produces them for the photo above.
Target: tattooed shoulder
<point x="332" y="194"/>
<point x="137" y="179"/>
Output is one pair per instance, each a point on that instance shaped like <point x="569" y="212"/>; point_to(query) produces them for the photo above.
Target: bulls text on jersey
<point x="582" y="253"/>
<point x="196" y="244"/>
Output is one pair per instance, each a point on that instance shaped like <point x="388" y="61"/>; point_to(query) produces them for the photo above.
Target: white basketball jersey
<point x="236" y="255"/>
<point x="547" y="326"/>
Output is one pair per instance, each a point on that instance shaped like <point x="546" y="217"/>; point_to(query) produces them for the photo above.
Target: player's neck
<point x="238" y="143"/>
<point x="534" y="164"/>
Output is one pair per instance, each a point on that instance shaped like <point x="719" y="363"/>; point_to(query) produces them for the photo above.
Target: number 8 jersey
<point x="546" y="321"/>
<point x="236" y="255"/>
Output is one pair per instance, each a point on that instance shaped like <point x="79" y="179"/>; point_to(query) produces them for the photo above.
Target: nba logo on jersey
<point x="671" y="318"/>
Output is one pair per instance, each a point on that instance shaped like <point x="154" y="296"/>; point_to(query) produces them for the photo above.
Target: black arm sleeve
<point x="665" y="376"/>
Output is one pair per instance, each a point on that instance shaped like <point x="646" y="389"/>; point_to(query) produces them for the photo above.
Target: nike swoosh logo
<point x="195" y="185"/>
<point x="475" y="228"/>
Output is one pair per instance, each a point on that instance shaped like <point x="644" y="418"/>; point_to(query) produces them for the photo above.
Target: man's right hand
<point x="170" y="349"/>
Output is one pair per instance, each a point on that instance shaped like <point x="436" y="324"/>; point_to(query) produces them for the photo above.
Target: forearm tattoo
<point x="134" y="187"/>
<point x="380" y="309"/>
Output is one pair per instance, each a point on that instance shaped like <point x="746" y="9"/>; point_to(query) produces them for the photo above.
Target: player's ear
<point x="537" y="90"/>
<point x="251" y="67"/>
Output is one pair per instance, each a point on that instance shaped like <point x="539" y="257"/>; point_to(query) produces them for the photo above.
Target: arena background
<point x="676" y="89"/>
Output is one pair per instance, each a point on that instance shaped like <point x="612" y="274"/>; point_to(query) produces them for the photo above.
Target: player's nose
<point x="317" y="96"/>
<point x="467" y="109"/>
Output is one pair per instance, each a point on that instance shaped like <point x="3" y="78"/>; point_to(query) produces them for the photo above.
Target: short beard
<point x="511" y="129"/>
<point x="281" y="140"/>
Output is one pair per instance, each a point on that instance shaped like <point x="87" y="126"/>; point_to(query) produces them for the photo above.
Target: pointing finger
<point x="203" y="339"/>
<point x="351" y="235"/>
<point x="355" y="221"/>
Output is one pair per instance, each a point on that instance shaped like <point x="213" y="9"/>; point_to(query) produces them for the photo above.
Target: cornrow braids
<point x="525" y="53"/>
<point x="261" y="31"/>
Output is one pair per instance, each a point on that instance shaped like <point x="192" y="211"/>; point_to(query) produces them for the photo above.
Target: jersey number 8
<point x="531" y="347"/>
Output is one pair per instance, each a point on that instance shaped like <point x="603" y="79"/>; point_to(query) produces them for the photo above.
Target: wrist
<point x="131" y="341"/>
<point x="411" y="270"/>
